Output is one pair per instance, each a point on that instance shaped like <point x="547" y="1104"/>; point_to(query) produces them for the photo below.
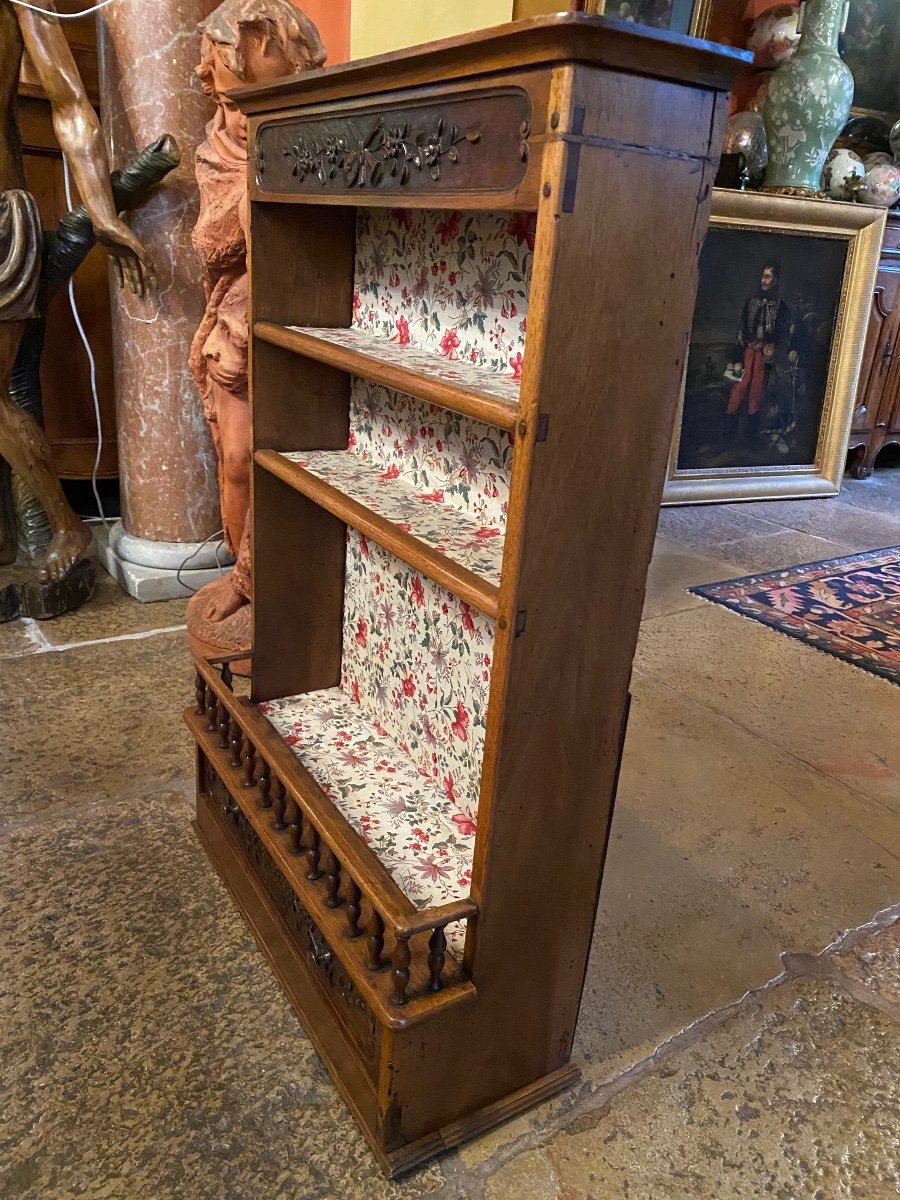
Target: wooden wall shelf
<point x="469" y="319"/>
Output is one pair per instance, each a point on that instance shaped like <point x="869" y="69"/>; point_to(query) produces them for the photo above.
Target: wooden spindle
<point x="279" y="806"/>
<point x="295" y="826"/>
<point x="237" y="741"/>
<point x="313" y="854"/>
<point x="437" y="958"/>
<point x="227" y="677"/>
<point x="249" y="763"/>
<point x="264" y="785"/>
<point x="375" y="943"/>
<point x="333" y="881"/>
<point x="200" y="693"/>
<point x="224" y="727"/>
<point x="354" y="895"/>
<point x="212" y="716"/>
<point x="400" y="973"/>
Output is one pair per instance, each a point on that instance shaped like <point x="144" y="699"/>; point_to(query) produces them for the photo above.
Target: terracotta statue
<point x="22" y="441"/>
<point x="244" y="41"/>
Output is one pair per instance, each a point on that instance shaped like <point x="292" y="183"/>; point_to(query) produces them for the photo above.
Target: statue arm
<point x="78" y="132"/>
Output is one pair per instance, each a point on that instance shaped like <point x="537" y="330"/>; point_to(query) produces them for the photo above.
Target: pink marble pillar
<point x="167" y="463"/>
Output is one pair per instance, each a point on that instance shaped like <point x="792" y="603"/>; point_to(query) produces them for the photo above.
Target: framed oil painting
<point x="783" y="299"/>
<point x="870" y="46"/>
<point x="678" y="16"/>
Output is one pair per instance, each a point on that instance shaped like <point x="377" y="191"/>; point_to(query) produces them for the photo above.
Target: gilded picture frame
<point x="769" y="380"/>
<point x="678" y="16"/>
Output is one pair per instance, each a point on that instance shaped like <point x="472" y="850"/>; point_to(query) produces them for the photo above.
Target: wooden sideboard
<point x="876" y="418"/>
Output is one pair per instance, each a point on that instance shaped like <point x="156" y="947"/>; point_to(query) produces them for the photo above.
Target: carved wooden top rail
<point x="537" y="41"/>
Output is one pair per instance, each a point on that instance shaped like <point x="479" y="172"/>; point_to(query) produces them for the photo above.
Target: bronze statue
<point x="244" y="41"/>
<point x="22" y="441"/>
<point x="26" y="530"/>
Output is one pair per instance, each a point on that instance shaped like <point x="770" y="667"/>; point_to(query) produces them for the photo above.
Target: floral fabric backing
<point x="456" y="283"/>
<point x="417" y="833"/>
<point x="418" y="661"/>
<point x="412" y="706"/>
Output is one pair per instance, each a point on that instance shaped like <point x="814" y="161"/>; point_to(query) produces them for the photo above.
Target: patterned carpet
<point x="848" y="607"/>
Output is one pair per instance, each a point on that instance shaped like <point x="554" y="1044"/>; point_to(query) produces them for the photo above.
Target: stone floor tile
<point x="879" y="493"/>
<point x="774" y="551"/>
<point x="702" y="526"/>
<point x="147" y="1051"/>
<point x="874" y="964"/>
<point x="19" y="637"/>
<point x="528" y="1176"/>
<point x="97" y="722"/>
<point x="790" y="1099"/>
<point x="835" y="716"/>
<point x="847" y="524"/>
<point x="110" y="613"/>
<point x="724" y="852"/>
<point x="673" y="569"/>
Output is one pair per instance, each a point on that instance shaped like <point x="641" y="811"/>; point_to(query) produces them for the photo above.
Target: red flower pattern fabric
<point x="447" y="273"/>
<point x="399" y="745"/>
<point x="417" y="832"/>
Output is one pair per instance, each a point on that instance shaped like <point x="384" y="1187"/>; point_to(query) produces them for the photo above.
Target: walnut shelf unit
<point x="451" y="540"/>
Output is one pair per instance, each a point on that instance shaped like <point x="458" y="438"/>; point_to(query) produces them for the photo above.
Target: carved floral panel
<point x="472" y="143"/>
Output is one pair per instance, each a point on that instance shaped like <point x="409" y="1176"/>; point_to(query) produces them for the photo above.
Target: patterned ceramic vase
<point x="807" y="103"/>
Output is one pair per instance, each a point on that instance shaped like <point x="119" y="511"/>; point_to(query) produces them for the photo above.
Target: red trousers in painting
<point x="752" y="384"/>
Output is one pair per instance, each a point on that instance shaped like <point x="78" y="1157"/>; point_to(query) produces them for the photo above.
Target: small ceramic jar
<point x="881" y="185"/>
<point x="843" y="174"/>
<point x="877" y="158"/>
<point x="774" y="35"/>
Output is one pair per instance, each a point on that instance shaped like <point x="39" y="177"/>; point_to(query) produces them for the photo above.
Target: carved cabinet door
<point x="877" y="379"/>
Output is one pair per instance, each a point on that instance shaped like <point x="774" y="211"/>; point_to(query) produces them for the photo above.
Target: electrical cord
<point x="49" y="12"/>
<point x="194" y="553"/>
<point x="93" y="363"/>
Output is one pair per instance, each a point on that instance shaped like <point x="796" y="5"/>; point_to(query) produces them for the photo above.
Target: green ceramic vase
<point x="807" y="103"/>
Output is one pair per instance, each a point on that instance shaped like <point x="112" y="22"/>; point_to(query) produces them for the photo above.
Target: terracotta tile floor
<point x="146" y="1051"/>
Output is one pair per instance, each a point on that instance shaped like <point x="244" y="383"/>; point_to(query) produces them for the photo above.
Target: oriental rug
<point x="848" y="607"/>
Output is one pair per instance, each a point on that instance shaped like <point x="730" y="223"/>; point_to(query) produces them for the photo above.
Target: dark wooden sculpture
<point x="63" y="253"/>
<point x="22" y="442"/>
<point x="594" y="146"/>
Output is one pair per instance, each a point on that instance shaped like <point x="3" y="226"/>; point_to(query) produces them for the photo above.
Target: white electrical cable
<point x="194" y="553"/>
<point x="93" y="364"/>
<point x="49" y="12"/>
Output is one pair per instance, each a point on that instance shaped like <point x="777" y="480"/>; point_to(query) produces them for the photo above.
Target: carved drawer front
<point x="344" y="998"/>
<point x="472" y="143"/>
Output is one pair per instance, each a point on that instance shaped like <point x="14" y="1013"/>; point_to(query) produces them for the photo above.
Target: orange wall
<point x="332" y="18"/>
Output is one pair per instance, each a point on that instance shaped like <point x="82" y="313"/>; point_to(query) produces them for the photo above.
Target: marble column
<point x="167" y="463"/>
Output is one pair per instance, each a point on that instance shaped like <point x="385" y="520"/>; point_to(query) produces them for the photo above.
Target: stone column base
<point x="150" y="570"/>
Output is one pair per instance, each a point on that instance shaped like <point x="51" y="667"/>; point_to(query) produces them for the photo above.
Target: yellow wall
<point x="534" y="8"/>
<point x="377" y="26"/>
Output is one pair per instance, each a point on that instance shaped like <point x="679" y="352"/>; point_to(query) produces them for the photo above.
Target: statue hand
<point x="129" y="258"/>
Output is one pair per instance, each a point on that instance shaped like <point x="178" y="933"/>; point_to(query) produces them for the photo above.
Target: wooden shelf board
<point x="459" y="386"/>
<point x="394" y="516"/>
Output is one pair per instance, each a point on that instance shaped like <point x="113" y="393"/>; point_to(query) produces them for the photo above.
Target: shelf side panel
<point x="629" y="225"/>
